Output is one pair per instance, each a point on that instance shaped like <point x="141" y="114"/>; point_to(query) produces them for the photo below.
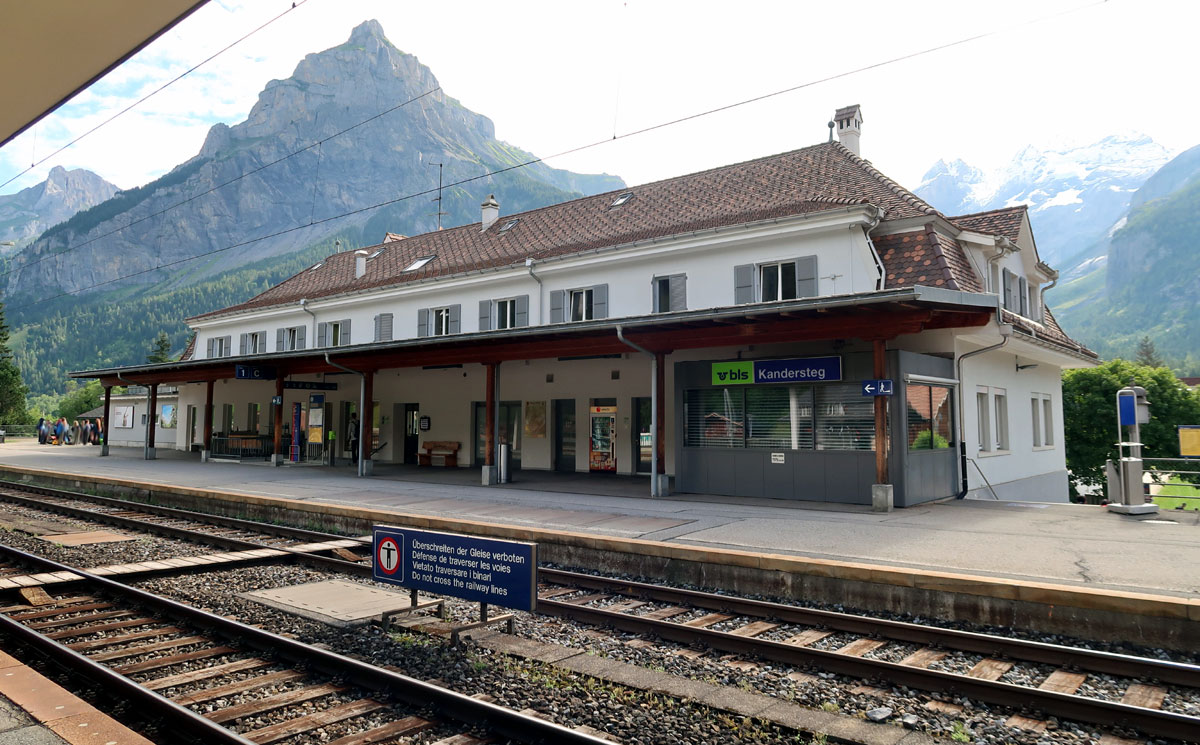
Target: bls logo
<point x="732" y="373"/>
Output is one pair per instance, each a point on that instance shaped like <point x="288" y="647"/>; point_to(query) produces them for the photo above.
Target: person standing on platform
<point x="98" y="434"/>
<point x="60" y="431"/>
<point x="75" y="431"/>
<point x="85" y="432"/>
<point x="41" y="431"/>
<point x="352" y="438"/>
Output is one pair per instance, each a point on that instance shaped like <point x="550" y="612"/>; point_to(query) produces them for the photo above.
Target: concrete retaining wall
<point x="1098" y="614"/>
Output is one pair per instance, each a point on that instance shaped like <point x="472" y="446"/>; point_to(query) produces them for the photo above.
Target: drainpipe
<point x="1003" y="246"/>
<point x="362" y="407"/>
<point x="1006" y="331"/>
<point x="1042" y="295"/>
<point x="529" y="266"/>
<point x="654" y="485"/>
<point x="304" y="307"/>
<point x="871" y="245"/>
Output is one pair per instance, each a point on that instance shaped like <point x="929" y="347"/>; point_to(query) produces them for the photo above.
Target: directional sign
<point x="877" y="388"/>
<point x="253" y="372"/>
<point x="483" y="570"/>
<point x="387" y="556"/>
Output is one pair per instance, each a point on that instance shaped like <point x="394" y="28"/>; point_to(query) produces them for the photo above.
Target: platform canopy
<point x="878" y="315"/>
<point x="54" y="49"/>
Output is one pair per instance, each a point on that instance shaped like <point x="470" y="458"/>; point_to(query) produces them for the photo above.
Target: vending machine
<point x="603" y="450"/>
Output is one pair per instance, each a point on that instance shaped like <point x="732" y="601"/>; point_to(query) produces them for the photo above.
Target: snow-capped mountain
<point x="1076" y="193"/>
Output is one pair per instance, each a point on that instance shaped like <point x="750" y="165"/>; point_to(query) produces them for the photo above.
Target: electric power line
<point x="157" y="90"/>
<point x="562" y="153"/>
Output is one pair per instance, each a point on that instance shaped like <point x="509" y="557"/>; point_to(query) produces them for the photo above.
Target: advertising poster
<point x="122" y="417"/>
<point x="168" y="416"/>
<point x="535" y="418"/>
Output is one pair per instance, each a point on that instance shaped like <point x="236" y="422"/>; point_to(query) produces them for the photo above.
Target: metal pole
<point x="107" y="420"/>
<point x="881" y="463"/>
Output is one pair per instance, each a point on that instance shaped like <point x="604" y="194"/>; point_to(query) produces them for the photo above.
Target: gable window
<point x="290" y="339"/>
<point x="776" y="280"/>
<point x="580" y="304"/>
<point x="670" y="293"/>
<point x="333" y="333"/>
<point x="439" y="321"/>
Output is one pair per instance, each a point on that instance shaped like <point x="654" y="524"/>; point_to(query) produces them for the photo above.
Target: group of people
<point x="58" y="432"/>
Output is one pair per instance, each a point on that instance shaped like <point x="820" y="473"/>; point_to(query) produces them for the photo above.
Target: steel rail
<point x="1111" y="663"/>
<point x="1153" y="722"/>
<point x="280" y="531"/>
<point x="446" y="703"/>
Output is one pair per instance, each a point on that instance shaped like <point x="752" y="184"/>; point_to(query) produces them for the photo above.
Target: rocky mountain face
<point x="24" y="215"/>
<point x="281" y="180"/>
<point x="1075" y="194"/>
<point x="1143" y="282"/>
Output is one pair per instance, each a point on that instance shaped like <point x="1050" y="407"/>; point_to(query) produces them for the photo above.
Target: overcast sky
<point x="555" y="75"/>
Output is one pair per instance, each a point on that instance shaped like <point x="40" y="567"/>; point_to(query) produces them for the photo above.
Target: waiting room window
<point x="930" y="421"/>
<point x="824" y="417"/>
<point x="670" y="293"/>
<point x="1042" y="412"/>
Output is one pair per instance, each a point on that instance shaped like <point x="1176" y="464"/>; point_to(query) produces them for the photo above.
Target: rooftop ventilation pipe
<point x="491" y="212"/>
<point x="360" y="262"/>
<point x="655" y="490"/>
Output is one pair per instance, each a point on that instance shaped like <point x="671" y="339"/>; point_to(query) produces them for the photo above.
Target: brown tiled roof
<point x="925" y="257"/>
<point x="1005" y="221"/>
<point x="190" y="350"/>
<point x="811" y="179"/>
<point x="1049" y="331"/>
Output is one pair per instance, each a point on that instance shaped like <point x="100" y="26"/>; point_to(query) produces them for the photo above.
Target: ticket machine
<point x="602" y="455"/>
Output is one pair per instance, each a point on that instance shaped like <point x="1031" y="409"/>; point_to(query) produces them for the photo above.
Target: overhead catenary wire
<point x="516" y="166"/>
<point x="158" y="90"/>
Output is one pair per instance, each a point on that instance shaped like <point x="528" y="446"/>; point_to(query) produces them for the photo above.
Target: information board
<point x="1189" y="440"/>
<point x="483" y="570"/>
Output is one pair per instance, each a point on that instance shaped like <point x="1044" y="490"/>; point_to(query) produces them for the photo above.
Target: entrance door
<point x="641" y="440"/>
<point x="412" y="431"/>
<point x="564" y="435"/>
<point x="191" y="427"/>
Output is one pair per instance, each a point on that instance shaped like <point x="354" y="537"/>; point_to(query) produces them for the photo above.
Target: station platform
<point x="1067" y="545"/>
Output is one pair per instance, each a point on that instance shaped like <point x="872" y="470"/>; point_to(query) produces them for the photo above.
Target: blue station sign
<point x="877" y="387"/>
<point x="483" y="570"/>
<point x="253" y="372"/>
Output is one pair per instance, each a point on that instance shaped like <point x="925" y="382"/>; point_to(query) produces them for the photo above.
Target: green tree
<point x="80" y="400"/>
<point x="161" y="350"/>
<point x="12" y="387"/>
<point x="1147" y="354"/>
<point x="1090" y="415"/>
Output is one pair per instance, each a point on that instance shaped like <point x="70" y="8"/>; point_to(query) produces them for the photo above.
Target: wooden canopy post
<point x="151" y="420"/>
<point x="277" y="422"/>
<point x="881" y="492"/>
<point x="490" y="472"/>
<point x="107" y="423"/>
<point x="208" y="417"/>
<point x="366" y="423"/>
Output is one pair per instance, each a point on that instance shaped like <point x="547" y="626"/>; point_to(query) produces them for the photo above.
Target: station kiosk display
<point x="602" y="455"/>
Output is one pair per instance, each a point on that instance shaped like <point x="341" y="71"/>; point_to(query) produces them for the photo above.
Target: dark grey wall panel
<point x="748" y="472"/>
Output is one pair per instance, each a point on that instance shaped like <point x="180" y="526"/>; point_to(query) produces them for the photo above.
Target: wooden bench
<point x="448" y="451"/>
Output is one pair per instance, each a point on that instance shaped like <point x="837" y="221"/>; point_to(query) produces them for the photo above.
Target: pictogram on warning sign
<point x="387" y="556"/>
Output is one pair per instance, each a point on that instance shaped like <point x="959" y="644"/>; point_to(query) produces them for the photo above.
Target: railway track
<point x="859" y="646"/>
<point x="173" y="661"/>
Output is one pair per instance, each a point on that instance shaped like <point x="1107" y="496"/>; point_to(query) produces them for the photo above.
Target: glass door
<point x="642" y="441"/>
<point x="564" y="435"/>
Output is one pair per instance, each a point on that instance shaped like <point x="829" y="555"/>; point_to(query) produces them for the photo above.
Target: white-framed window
<point x="290" y="339"/>
<point x="1041" y="408"/>
<point x="670" y="293"/>
<point x="506" y="313"/>
<point x="580" y="305"/>
<point x="991" y="405"/>
<point x="220" y="346"/>
<point x="439" y="321"/>
<point x="256" y="342"/>
<point x="333" y="333"/>
<point x="777" y="281"/>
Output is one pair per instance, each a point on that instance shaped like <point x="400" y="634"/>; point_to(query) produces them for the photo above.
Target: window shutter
<point x="228" y="346"/>
<point x="242" y="343"/>
<point x="262" y="342"/>
<point x="743" y="284"/>
<point x="678" y="290"/>
<point x="455" y="319"/>
<point x="322" y="334"/>
<point x="1008" y="290"/>
<point x="378" y="329"/>
<point x="599" y="301"/>
<point x="1024" y="297"/>
<point x="280" y="336"/>
<point x="423" y="322"/>
<point x="557" y="301"/>
<point x="485" y="315"/>
<point x="345" y="332"/>
<point x="806" y="276"/>
<point x="522" y="311"/>
<point x="383" y="327"/>
<point x="301" y="332"/>
<point x="209" y="354"/>
<point x="388" y="324"/>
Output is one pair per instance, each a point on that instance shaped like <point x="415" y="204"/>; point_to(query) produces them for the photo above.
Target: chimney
<point x="360" y="262"/>
<point x="491" y="211"/>
<point x="849" y="127"/>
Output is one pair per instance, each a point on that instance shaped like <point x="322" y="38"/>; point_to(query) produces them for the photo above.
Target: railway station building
<point x="725" y="330"/>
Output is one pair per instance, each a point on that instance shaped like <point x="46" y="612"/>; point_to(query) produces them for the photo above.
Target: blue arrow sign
<point x="877" y="388"/>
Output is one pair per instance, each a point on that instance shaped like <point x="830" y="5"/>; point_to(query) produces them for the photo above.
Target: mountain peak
<point x="366" y="31"/>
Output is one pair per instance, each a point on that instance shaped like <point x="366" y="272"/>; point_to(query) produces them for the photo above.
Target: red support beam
<point x="881" y="433"/>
